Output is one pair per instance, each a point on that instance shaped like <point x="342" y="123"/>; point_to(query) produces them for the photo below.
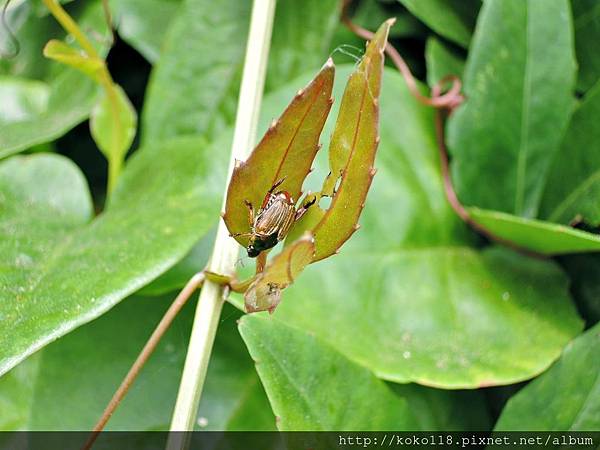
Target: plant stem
<point x="225" y="251"/>
<point x="114" y="170"/>
<point x="71" y="27"/>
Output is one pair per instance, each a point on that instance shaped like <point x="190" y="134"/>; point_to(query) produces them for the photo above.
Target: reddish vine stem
<point x="444" y="103"/>
<point x="455" y="203"/>
<point x="450" y="99"/>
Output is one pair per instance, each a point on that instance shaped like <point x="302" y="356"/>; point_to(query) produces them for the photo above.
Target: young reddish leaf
<point x="64" y="53"/>
<point x="286" y="151"/>
<point x="351" y="153"/>
<point x="264" y="294"/>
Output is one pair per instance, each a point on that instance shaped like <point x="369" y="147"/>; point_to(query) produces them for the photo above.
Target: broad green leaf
<point x="453" y="19"/>
<point x="449" y="317"/>
<point x="537" y="235"/>
<point x="70" y="94"/>
<point x="41" y="9"/>
<point x="33" y="32"/>
<point x="64" y="53"/>
<point x="193" y="85"/>
<point x="302" y="34"/>
<point x="442" y="61"/>
<point x="81" y="371"/>
<point x="66" y="108"/>
<point x="178" y="275"/>
<point x="16" y="394"/>
<point x="160" y="208"/>
<point x="573" y="185"/>
<point x="198" y="94"/>
<point x="586" y="21"/>
<point x="141" y="23"/>
<point x="113" y="123"/>
<point x="285" y="152"/>
<point x="410" y="284"/>
<point x="566" y="397"/>
<point x="307" y="381"/>
<point x="518" y="102"/>
<point x="352" y="150"/>
<point x="264" y="294"/>
<point x="21" y="99"/>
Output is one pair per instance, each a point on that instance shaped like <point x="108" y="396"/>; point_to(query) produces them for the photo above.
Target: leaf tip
<point x="381" y="36"/>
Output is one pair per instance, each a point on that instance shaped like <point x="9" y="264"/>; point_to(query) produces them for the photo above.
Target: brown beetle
<point x="273" y="221"/>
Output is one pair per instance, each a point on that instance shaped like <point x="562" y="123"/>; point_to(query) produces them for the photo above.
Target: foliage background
<point x="418" y="324"/>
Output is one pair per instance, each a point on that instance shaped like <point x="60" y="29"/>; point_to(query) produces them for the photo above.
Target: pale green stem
<point x="225" y="252"/>
<point x="71" y="27"/>
<point x="114" y="170"/>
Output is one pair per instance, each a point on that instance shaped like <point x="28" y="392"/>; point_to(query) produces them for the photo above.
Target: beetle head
<point x="253" y="252"/>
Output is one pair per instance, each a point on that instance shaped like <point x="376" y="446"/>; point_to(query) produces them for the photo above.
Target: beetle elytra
<point x="273" y="220"/>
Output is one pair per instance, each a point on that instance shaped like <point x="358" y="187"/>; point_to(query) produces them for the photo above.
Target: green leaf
<point x="139" y="20"/>
<point x="113" y="123"/>
<point x="442" y="61"/>
<point x="70" y="94"/>
<point x="439" y="311"/>
<point x="160" y="208"/>
<point x="352" y="151"/>
<point x="568" y="394"/>
<point x="178" y="275"/>
<point x="102" y="353"/>
<point x="586" y="20"/>
<point x="66" y="108"/>
<point x="453" y="19"/>
<point x="33" y="29"/>
<point x="264" y="294"/>
<point x="519" y="100"/>
<point x="307" y="380"/>
<point x="193" y="86"/>
<point x="64" y="53"/>
<point x="537" y="235"/>
<point x="302" y="33"/>
<point x="21" y="99"/>
<point x="573" y="184"/>
<point x="286" y="152"/>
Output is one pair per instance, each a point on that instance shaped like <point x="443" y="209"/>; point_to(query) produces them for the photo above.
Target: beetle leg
<point x="276" y="185"/>
<point x="240" y="234"/>
<point x="302" y="210"/>
<point x="250" y="213"/>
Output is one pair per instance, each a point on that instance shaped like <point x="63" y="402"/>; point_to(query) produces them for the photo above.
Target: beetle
<point x="273" y="221"/>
